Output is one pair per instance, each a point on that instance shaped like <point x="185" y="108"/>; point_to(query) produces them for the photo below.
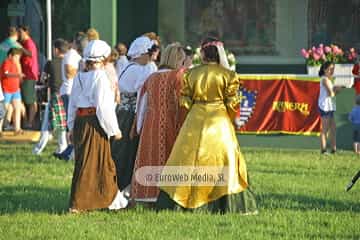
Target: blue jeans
<point x="326" y="114"/>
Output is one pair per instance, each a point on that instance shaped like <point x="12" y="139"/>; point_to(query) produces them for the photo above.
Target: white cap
<point x="97" y="51"/>
<point x="140" y="46"/>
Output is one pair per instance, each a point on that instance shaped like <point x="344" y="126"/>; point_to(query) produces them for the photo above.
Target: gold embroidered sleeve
<point x="186" y="92"/>
<point x="232" y="99"/>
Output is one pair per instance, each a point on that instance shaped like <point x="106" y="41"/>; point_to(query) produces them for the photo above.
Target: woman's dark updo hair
<point x="153" y="49"/>
<point x="89" y="65"/>
<point x="210" y="52"/>
<point x="323" y="67"/>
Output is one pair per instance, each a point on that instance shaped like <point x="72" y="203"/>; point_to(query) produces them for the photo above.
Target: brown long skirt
<point x="94" y="183"/>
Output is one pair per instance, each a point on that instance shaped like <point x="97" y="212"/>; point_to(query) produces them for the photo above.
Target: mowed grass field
<point x="300" y="196"/>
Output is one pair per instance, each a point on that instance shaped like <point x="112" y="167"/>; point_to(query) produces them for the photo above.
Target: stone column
<point x="103" y="17"/>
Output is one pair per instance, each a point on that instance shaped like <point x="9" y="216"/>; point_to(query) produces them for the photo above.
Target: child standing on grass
<point x="10" y="81"/>
<point x="57" y="114"/>
<point x="327" y="106"/>
<point x="354" y="118"/>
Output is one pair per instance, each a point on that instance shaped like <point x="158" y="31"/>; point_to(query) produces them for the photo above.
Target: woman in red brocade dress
<point x="162" y="118"/>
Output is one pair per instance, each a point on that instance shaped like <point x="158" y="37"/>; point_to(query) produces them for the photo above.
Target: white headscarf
<point x="96" y="51"/>
<point x="222" y="56"/>
<point x="140" y="46"/>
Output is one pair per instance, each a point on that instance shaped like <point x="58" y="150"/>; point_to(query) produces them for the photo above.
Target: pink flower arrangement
<point x="317" y="55"/>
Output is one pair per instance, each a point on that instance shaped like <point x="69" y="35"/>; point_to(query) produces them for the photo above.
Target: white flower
<point x="197" y="51"/>
<point x="231" y="57"/>
<point x="196" y="57"/>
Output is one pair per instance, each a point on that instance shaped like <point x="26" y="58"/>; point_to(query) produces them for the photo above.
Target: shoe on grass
<point x="324" y="152"/>
<point x="66" y="154"/>
<point x="349" y="186"/>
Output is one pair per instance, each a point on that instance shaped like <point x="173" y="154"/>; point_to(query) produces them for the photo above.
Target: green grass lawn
<point x="300" y="196"/>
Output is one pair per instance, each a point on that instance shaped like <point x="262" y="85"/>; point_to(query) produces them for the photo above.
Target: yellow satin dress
<point x="207" y="137"/>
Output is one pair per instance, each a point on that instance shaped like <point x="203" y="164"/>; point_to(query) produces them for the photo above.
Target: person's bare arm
<point x="328" y="87"/>
<point x="337" y="89"/>
<point x="70" y="71"/>
<point x="10" y="75"/>
<point x="332" y="91"/>
<point x="27" y="52"/>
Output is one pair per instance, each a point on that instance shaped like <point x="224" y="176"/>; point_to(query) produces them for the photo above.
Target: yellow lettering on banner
<point x="275" y="106"/>
<point x="292" y="106"/>
<point x="282" y="106"/>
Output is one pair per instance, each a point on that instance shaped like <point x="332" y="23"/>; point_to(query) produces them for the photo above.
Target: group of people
<point x="58" y="75"/>
<point x="141" y="113"/>
<point x="132" y="116"/>
<point x="120" y="112"/>
<point x="19" y="72"/>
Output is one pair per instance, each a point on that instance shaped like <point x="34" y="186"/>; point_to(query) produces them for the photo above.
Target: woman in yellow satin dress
<point x="206" y="146"/>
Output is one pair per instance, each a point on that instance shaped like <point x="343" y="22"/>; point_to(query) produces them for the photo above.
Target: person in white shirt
<point x="91" y="122"/>
<point x="327" y="106"/>
<point x="131" y="80"/>
<point x="70" y="66"/>
<point x="122" y="61"/>
<point x="72" y="63"/>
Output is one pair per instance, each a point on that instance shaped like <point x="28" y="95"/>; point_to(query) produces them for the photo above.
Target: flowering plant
<point x="229" y="55"/>
<point x="315" y="56"/>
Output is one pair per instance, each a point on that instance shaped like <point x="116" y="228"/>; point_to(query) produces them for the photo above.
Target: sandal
<point x="74" y="211"/>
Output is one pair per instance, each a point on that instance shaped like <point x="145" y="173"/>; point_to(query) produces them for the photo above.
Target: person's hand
<point x="338" y="88"/>
<point x="117" y="97"/>
<point x="118" y="136"/>
<point x="70" y="136"/>
<point x="133" y="132"/>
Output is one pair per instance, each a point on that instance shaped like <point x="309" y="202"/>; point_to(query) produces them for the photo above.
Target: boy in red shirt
<point x="10" y="82"/>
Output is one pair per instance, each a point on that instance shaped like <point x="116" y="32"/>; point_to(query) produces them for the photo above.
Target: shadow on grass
<point x="15" y="199"/>
<point x="23" y="153"/>
<point x="303" y="202"/>
<point x="291" y="172"/>
<point x="27" y="157"/>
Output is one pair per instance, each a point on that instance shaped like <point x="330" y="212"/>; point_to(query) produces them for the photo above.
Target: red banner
<point x="278" y="104"/>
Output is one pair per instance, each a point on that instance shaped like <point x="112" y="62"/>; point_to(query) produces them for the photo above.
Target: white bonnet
<point x="140" y="46"/>
<point x="97" y="51"/>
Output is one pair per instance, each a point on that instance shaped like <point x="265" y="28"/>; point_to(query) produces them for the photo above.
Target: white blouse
<point x="133" y="77"/>
<point x="152" y="66"/>
<point x="142" y="105"/>
<point x="120" y="64"/>
<point x="92" y="89"/>
<point x="326" y="102"/>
